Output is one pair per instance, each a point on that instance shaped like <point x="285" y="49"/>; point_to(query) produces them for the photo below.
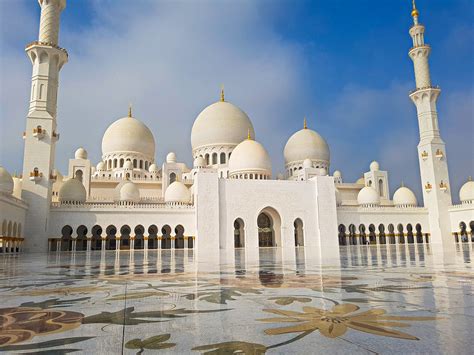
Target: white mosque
<point x="229" y="198"/>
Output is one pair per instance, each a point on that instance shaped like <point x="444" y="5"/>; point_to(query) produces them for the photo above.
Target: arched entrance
<point x="111" y="232"/>
<point x="96" y="243"/>
<point x="166" y="237"/>
<point x="125" y="237"/>
<point x="81" y="241"/>
<point x="179" y="235"/>
<point x="152" y="237"/>
<point x="298" y="231"/>
<point x="269" y="228"/>
<point x="66" y="238"/>
<point x="239" y="233"/>
<point x="139" y="235"/>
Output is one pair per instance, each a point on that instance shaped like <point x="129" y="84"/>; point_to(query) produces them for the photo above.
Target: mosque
<point x="229" y="198"/>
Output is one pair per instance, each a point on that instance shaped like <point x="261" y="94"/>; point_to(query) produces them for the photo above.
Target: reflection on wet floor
<point x="384" y="298"/>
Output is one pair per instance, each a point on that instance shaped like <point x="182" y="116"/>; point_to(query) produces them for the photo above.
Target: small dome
<point x="307" y="163"/>
<point x="171" y="157"/>
<point x="128" y="165"/>
<point x="153" y="168"/>
<point x="368" y="196"/>
<point x="250" y="157"/>
<point x="81" y="153"/>
<point x="404" y="197"/>
<point x="466" y="193"/>
<point x="199" y="162"/>
<point x="6" y="181"/>
<point x="128" y="135"/>
<point x="337" y="174"/>
<point x="101" y="166"/>
<point x="17" y="183"/>
<point x="360" y="181"/>
<point x="306" y="143"/>
<point x="322" y="172"/>
<point x="220" y="123"/>
<point x="338" y="198"/>
<point x="177" y="192"/>
<point x="72" y="191"/>
<point x="127" y="191"/>
<point x="374" y="166"/>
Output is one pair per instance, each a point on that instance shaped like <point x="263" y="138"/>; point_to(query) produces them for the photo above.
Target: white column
<point x="186" y="242"/>
<point x="89" y="242"/>
<point x="173" y="242"/>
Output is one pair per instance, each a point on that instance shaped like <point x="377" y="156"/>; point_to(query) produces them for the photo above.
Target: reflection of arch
<point x="81" y="243"/>
<point x="269" y="228"/>
<point x="111" y="232"/>
<point x="179" y="235"/>
<point x="139" y="235"/>
<point x="342" y="234"/>
<point x="125" y="237"/>
<point x="239" y="233"/>
<point x="298" y="232"/>
<point x="166" y="237"/>
<point x="152" y="236"/>
<point x="401" y="235"/>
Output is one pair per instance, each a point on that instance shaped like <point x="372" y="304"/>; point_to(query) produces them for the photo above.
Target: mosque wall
<point x="12" y="216"/>
<point x="460" y="214"/>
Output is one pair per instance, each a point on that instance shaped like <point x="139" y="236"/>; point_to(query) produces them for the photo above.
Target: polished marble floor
<point x="388" y="299"/>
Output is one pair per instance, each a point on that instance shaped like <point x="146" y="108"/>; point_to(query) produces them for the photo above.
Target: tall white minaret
<point x="41" y="135"/>
<point x="431" y="149"/>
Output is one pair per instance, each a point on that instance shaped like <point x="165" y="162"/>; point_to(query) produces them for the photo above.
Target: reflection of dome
<point x="127" y="191"/>
<point x="171" y="157"/>
<point x="177" y="192"/>
<point x="307" y="163"/>
<point x="199" y="162"/>
<point x="128" y="165"/>
<point x="153" y="168"/>
<point x="128" y="135"/>
<point x="250" y="157"/>
<point x="368" y="197"/>
<point x="374" y="166"/>
<point x="220" y="123"/>
<point x="338" y="198"/>
<point x="6" y="181"/>
<point x="404" y="197"/>
<point x="466" y="194"/>
<point x="81" y="153"/>
<point x="306" y="143"/>
<point x="72" y="191"/>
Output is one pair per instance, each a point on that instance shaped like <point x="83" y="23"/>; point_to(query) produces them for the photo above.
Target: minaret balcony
<point x="424" y="155"/>
<point x="39" y="43"/>
<point x="439" y="154"/>
<point x="55" y="135"/>
<point x="35" y="175"/>
<point x="39" y="132"/>
<point x="443" y="186"/>
<point x="53" y="177"/>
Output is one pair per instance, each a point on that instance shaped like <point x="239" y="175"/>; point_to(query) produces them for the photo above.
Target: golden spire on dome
<point x="130" y="110"/>
<point x="403" y="184"/>
<point x="305" y="124"/>
<point x="469" y="178"/>
<point x="249" y="137"/>
<point x="222" y="93"/>
<point x="414" y="12"/>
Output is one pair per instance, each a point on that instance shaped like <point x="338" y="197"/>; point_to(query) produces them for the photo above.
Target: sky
<point x="343" y="64"/>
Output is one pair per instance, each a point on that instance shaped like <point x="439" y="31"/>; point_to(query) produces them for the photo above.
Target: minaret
<point x="431" y="149"/>
<point x="40" y="136"/>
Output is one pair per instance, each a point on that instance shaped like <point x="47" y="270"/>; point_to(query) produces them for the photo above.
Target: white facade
<point x="229" y="198"/>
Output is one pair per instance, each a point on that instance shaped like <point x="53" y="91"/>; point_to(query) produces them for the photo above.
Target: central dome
<point x="128" y="135"/>
<point x="220" y="123"/>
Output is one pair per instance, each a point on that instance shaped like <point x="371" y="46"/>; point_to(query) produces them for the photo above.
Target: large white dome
<point x="127" y="191"/>
<point x="220" y="123"/>
<point x="72" y="191"/>
<point x="177" y="192"/>
<point x="404" y="197"/>
<point x="466" y="193"/>
<point x="250" y="157"/>
<point x="6" y="181"/>
<point x="368" y="196"/>
<point x="306" y="144"/>
<point x="128" y="135"/>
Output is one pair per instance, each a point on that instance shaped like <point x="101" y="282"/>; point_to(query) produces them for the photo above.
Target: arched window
<point x="78" y="175"/>
<point x="239" y="233"/>
<point x="381" y="187"/>
<point x="214" y="158"/>
<point x="135" y="163"/>
<point x="370" y="182"/>
<point x="222" y="158"/>
<point x="146" y="165"/>
<point x="141" y="164"/>
<point x="121" y="162"/>
<point x="172" y="178"/>
<point x="207" y="159"/>
<point x="298" y="232"/>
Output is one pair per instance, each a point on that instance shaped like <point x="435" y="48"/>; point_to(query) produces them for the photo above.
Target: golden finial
<point x="130" y="110"/>
<point x="414" y="12"/>
<point x="249" y="137"/>
<point x="469" y="178"/>
<point x="305" y="124"/>
<point x="403" y="184"/>
<point x="222" y="93"/>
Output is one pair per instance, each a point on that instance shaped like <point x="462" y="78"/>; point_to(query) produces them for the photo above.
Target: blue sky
<point x="341" y="63"/>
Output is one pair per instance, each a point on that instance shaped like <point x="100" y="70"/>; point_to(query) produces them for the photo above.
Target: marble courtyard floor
<point x="380" y="299"/>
